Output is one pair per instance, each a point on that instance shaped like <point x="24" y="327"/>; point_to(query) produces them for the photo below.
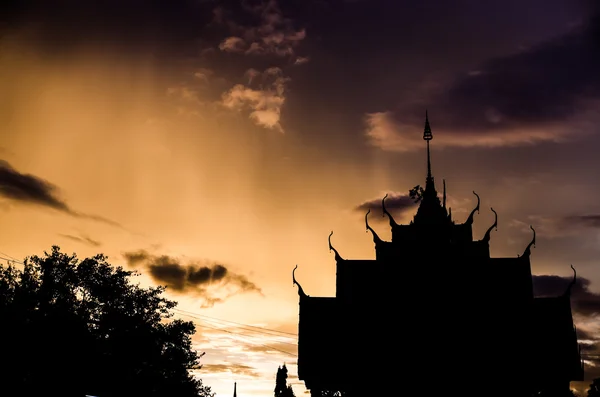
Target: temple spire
<point x="234" y="389"/>
<point x="431" y="209"/>
<point x="427" y="136"/>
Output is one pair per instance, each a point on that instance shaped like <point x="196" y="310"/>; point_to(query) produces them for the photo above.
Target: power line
<point x="10" y="259"/>
<point x="237" y="334"/>
<point x="247" y="341"/>
<point x="253" y="335"/>
<point x="236" y="323"/>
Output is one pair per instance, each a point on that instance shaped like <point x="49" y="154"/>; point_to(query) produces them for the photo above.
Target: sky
<point x="213" y="145"/>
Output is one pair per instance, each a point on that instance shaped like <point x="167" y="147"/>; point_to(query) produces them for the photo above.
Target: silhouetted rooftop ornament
<point x="532" y="243"/>
<point x="571" y="284"/>
<point x="486" y="237"/>
<point x="338" y="257"/>
<point x="300" y="290"/>
<point x="234" y="389"/>
<point x="385" y="212"/>
<point x="469" y="220"/>
<point x="376" y="238"/>
<point x="427" y="136"/>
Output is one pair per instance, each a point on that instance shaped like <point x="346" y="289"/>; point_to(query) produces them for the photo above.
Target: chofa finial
<point x="469" y="220"/>
<point x="494" y="225"/>
<point x="532" y="243"/>
<point x="376" y="238"/>
<point x="385" y="212"/>
<point x="572" y="283"/>
<point x="300" y="290"/>
<point x="338" y="257"/>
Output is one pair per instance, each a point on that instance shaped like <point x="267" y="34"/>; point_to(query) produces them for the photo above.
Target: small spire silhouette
<point x="385" y="212"/>
<point x="568" y="291"/>
<point x="376" y="238"/>
<point x="427" y="136"/>
<point x="532" y="243"/>
<point x="300" y="290"/>
<point x="494" y="225"/>
<point x="476" y="209"/>
<point x="234" y="389"/>
<point x="338" y="257"/>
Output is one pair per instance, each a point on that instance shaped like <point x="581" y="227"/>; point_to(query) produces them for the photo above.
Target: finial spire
<point x="469" y="220"/>
<point x="427" y="136"/>
<point x="568" y="291"/>
<point x="532" y="243"/>
<point x="376" y="238"/>
<point x="300" y="290"/>
<point x="234" y="389"/>
<point x="338" y="257"/>
<point x="486" y="238"/>
<point x="385" y="212"/>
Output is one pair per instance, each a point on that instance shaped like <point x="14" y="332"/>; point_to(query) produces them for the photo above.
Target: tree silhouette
<point x="416" y="193"/>
<point x="282" y="389"/>
<point x="72" y="328"/>
<point x="594" y="390"/>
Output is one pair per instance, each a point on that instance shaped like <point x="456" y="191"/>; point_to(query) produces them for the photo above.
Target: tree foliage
<point x="282" y="389"/>
<point x="416" y="193"/>
<point x="72" y="328"/>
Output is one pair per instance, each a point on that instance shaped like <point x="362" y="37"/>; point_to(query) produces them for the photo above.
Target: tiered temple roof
<point x="434" y="285"/>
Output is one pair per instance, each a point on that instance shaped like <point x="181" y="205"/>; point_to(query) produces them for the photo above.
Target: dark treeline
<point x="76" y="328"/>
<point x="71" y="327"/>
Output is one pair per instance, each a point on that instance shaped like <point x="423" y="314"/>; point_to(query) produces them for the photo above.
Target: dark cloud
<point x="550" y="82"/>
<point x="30" y="189"/>
<point x="592" y="220"/>
<point x="559" y="226"/>
<point x="82" y="239"/>
<point x="213" y="281"/>
<point x="584" y="302"/>
<point x="394" y="203"/>
<point x="552" y="89"/>
<point x="272" y="348"/>
<point x="126" y="24"/>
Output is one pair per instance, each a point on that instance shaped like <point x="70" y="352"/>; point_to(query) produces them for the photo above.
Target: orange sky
<point x="239" y="163"/>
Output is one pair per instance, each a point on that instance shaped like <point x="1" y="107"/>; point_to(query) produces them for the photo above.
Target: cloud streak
<point x="232" y="368"/>
<point x="558" y="226"/>
<point x="548" y="93"/>
<point x="395" y="203"/>
<point x="30" y="189"/>
<point x="213" y="282"/>
<point x="82" y="239"/>
<point x="272" y="34"/>
<point x="263" y="97"/>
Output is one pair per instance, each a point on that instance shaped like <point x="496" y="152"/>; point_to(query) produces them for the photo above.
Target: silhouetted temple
<point x="433" y="311"/>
